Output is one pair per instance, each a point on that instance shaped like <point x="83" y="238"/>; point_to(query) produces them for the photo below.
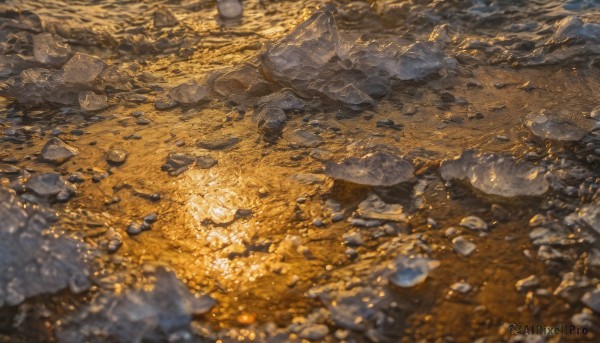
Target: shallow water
<point x="278" y="239"/>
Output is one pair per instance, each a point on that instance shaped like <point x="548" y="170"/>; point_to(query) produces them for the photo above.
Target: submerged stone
<point x="219" y="143"/>
<point x="116" y="156"/>
<point x="57" y="151"/>
<point x="496" y="174"/>
<point x="161" y="310"/>
<point x="376" y="169"/>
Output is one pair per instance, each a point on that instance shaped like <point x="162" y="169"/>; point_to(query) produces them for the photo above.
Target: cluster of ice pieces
<point x="496" y="174"/>
<point x="376" y="169"/>
<point x="80" y="80"/>
<point x="158" y="312"/>
<point x="35" y="260"/>
<point x="315" y="60"/>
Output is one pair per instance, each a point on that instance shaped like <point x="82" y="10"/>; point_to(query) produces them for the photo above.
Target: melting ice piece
<point x="230" y="9"/>
<point x="377" y="169"/>
<point x="412" y="270"/>
<point x="299" y="57"/>
<point x="83" y="68"/>
<point x="90" y="101"/>
<point x="591" y="216"/>
<point x="550" y="127"/>
<point x="374" y="208"/>
<point x="156" y="313"/>
<point x="189" y="92"/>
<point x="496" y="174"/>
<point x="50" y="49"/>
<point x="33" y="259"/>
<point x="462" y="246"/>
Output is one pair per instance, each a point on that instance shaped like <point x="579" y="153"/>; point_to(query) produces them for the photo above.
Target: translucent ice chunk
<point x="412" y="270"/>
<point x="377" y="169"/>
<point x="154" y="313"/>
<point x="34" y="259"/>
<point x="50" y="49"/>
<point x="496" y="174"/>
<point x="553" y="127"/>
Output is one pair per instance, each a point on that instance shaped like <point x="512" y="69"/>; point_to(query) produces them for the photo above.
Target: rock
<point x="56" y="151"/>
<point x="164" y="18"/>
<point x="592" y="300"/>
<point x="90" y="101"/>
<point x="461" y="287"/>
<point x="270" y="122"/>
<point x="156" y="312"/>
<point x="553" y="127"/>
<point x="375" y="208"/>
<point x="411" y="270"/>
<point x="473" y="223"/>
<point x="353" y="239"/>
<point x="9" y="169"/>
<point x="527" y="283"/>
<point x="230" y="9"/>
<point x="116" y="156"/>
<point x="50" y="49"/>
<point x="49" y="185"/>
<point x="189" y="93"/>
<point x="377" y="169"/>
<point x="305" y="139"/>
<point x="219" y="143"/>
<point x="314" y="332"/>
<point x="36" y="258"/>
<point x="206" y="161"/>
<point x="83" y="68"/>
<point x="177" y="160"/>
<point x="285" y="100"/>
<point x="134" y="228"/>
<point x="462" y="246"/>
<point x="496" y="174"/>
<point x="590" y="214"/>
